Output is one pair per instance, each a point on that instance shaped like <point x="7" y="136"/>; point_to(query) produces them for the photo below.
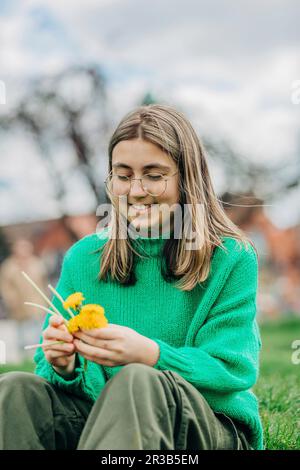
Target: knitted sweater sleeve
<point x="85" y="384"/>
<point x="225" y="358"/>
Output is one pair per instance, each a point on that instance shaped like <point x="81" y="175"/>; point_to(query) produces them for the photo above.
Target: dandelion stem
<point x="42" y="345"/>
<point x="40" y="306"/>
<point x="42" y="294"/>
<point x="60" y="298"/>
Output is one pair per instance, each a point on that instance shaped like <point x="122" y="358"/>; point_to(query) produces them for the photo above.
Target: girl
<point x="175" y="366"/>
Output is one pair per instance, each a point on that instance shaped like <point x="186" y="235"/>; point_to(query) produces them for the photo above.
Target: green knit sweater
<point x="208" y="335"/>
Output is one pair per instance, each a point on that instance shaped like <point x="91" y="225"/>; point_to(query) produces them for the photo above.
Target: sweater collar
<point x="148" y="246"/>
<point x="151" y="246"/>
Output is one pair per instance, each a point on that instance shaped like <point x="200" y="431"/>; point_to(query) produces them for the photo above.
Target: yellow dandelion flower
<point x="73" y="325"/>
<point x="89" y="321"/>
<point x="92" y="308"/>
<point x="91" y="316"/>
<point x="74" y="300"/>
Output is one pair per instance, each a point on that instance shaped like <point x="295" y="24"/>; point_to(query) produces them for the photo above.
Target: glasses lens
<point x="119" y="185"/>
<point x="154" y="184"/>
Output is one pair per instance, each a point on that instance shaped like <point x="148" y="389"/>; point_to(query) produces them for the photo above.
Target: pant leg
<point x="201" y="427"/>
<point x="144" y="408"/>
<point x="35" y="415"/>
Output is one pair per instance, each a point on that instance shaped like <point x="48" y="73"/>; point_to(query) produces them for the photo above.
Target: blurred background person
<point x="15" y="290"/>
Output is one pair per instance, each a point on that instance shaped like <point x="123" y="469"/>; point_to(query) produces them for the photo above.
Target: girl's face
<point x="135" y="158"/>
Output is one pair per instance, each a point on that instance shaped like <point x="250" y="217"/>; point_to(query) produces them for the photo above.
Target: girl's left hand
<point x="116" y="345"/>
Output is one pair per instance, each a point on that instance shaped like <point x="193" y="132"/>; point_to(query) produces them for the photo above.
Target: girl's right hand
<point x="60" y="356"/>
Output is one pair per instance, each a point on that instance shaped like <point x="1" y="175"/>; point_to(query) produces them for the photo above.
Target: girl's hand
<point x="61" y="356"/>
<point x="116" y="345"/>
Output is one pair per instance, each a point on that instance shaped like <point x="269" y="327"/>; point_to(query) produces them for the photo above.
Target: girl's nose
<point x="136" y="188"/>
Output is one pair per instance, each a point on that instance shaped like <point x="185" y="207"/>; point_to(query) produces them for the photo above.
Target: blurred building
<point x="51" y="238"/>
<point x="278" y="249"/>
<point x="279" y="256"/>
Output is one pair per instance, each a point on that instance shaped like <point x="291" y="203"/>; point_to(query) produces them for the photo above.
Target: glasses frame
<point x="166" y="179"/>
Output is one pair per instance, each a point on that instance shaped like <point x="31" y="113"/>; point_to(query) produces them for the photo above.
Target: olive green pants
<point x="139" y="408"/>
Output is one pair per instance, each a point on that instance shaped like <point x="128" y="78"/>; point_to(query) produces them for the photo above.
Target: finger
<point x="92" y="351"/>
<point x="112" y="345"/>
<point x="55" y="333"/>
<point x="103" y="333"/>
<point x="63" y="328"/>
<point x="101" y="361"/>
<point x="53" y="355"/>
<point x="92" y="341"/>
<point x="66" y="347"/>
<point x="84" y="337"/>
<point x="56" y="320"/>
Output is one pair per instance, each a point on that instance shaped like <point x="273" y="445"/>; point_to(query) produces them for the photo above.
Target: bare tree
<point x="67" y="110"/>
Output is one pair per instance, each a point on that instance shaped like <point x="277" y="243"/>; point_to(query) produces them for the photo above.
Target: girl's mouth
<point x="140" y="208"/>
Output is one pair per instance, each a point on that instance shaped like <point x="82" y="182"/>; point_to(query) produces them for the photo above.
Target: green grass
<point x="277" y="388"/>
<point x="26" y="366"/>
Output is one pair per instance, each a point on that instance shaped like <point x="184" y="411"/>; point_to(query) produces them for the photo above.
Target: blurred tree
<point x="242" y="174"/>
<point x="67" y="115"/>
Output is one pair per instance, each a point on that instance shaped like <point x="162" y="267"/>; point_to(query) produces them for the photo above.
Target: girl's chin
<point x="145" y="219"/>
<point x="144" y="222"/>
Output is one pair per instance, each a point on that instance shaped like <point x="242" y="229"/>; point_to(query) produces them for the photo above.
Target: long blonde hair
<point x="172" y="132"/>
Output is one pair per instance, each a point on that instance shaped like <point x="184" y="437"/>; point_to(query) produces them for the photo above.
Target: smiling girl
<point x="175" y="366"/>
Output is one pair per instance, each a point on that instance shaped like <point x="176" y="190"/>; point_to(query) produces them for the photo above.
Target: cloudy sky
<point x="228" y="65"/>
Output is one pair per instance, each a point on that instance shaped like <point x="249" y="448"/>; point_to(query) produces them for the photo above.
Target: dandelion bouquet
<point x="83" y="317"/>
<point x="88" y="316"/>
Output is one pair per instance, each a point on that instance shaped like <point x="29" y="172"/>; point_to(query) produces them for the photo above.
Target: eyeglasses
<point x="153" y="184"/>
